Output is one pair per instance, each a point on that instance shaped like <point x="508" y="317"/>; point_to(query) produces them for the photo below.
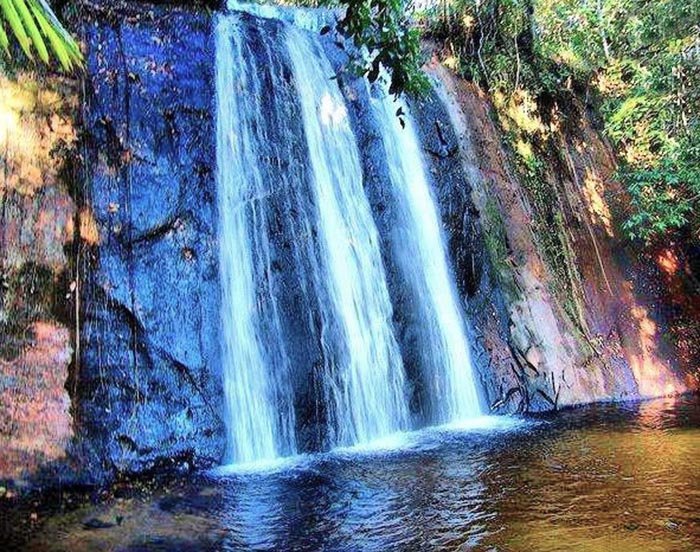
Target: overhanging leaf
<point x="35" y="27"/>
<point x="30" y="26"/>
<point x="58" y="44"/>
<point x="13" y="19"/>
<point x="4" y="41"/>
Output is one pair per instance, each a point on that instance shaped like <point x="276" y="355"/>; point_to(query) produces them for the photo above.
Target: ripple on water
<point x="599" y="478"/>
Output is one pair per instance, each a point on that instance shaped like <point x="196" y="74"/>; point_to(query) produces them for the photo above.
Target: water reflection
<point x="599" y="478"/>
<point x="253" y="513"/>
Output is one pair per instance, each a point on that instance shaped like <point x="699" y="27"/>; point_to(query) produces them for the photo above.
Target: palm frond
<point x="33" y="25"/>
<point x="4" y="41"/>
<point x="11" y="17"/>
<point x="32" y="30"/>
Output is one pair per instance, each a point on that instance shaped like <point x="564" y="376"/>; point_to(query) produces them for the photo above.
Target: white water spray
<point x="445" y="356"/>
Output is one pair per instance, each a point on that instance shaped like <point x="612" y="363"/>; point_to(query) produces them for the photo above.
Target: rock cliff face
<point x="149" y="381"/>
<point x="145" y="379"/>
<point x="37" y="238"/>
<point x="614" y="345"/>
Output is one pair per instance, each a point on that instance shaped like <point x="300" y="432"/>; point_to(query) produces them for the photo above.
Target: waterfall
<point x="309" y="351"/>
<point x="260" y="419"/>
<point x="368" y="393"/>
<point x="422" y="257"/>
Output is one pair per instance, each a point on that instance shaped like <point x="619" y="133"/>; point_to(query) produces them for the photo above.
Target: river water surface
<point x="603" y="478"/>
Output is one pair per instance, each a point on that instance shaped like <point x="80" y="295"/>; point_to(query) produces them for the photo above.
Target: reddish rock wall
<point x="616" y="347"/>
<point x="37" y="225"/>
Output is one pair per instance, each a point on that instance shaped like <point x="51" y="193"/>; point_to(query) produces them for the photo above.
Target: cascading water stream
<point x="368" y="392"/>
<point x="445" y="356"/>
<point x="363" y="378"/>
<point x="260" y="420"/>
<point x="304" y="288"/>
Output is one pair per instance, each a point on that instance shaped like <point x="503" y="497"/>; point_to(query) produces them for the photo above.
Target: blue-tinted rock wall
<point x="149" y="377"/>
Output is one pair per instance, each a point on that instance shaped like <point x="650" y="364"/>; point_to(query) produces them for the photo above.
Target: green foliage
<point x="665" y="196"/>
<point x="493" y="43"/>
<point x="643" y="59"/>
<point x="33" y="24"/>
<point x="496" y="240"/>
<point x="650" y="94"/>
<point x="638" y="61"/>
<point x="385" y="37"/>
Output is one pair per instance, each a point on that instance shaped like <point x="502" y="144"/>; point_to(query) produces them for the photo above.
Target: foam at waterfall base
<point x="421" y="440"/>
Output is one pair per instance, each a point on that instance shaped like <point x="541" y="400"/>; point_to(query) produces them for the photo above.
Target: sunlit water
<point x="606" y="478"/>
<point x="442" y="344"/>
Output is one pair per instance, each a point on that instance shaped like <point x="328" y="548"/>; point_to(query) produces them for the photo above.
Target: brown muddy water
<point x="601" y="478"/>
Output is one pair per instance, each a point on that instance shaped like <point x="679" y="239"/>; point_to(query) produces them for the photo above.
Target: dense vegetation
<point x="636" y="62"/>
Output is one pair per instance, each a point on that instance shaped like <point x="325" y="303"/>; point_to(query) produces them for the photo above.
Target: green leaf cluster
<point x="386" y="39"/>
<point x="36" y="29"/>
<point x="636" y="62"/>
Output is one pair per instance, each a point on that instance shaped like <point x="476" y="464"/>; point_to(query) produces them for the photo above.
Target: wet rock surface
<point x="149" y="382"/>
